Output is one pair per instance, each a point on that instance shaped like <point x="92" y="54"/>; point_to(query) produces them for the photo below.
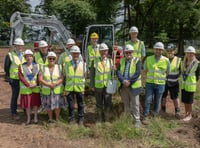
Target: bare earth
<point x="16" y="134"/>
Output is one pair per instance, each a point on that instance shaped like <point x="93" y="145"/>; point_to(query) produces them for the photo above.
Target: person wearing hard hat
<point x="101" y="70"/>
<point x="40" y="57"/>
<point x="12" y="62"/>
<point x="172" y="82"/>
<point x="64" y="57"/>
<point x="129" y="75"/>
<point x="93" y="49"/>
<point x="75" y="74"/>
<point x="29" y="86"/>
<point x="157" y="68"/>
<point x="189" y="78"/>
<point x="138" y="45"/>
<point x="51" y="78"/>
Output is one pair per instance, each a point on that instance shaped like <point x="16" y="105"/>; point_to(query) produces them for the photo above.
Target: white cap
<point x="51" y="54"/>
<point x="171" y="46"/>
<point x="75" y="49"/>
<point x="159" y="45"/>
<point x="28" y="51"/>
<point x="103" y="46"/>
<point x="133" y="29"/>
<point x="18" y="41"/>
<point x="190" y="49"/>
<point x="43" y="44"/>
<point x="70" y="41"/>
<point x="129" y="48"/>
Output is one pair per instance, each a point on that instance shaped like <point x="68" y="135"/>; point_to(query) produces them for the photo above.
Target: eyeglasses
<point x="128" y="53"/>
<point x="53" y="59"/>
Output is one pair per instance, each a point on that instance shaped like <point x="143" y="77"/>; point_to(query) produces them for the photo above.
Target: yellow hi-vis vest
<point x="137" y="47"/>
<point x="174" y="70"/>
<point x="15" y="62"/>
<point x="39" y="60"/>
<point x="156" y="71"/>
<point x="64" y="57"/>
<point x="102" y="72"/>
<point x="52" y="78"/>
<point x="92" y="54"/>
<point x="25" y="71"/>
<point x="190" y="83"/>
<point x="132" y="70"/>
<point x="75" y="79"/>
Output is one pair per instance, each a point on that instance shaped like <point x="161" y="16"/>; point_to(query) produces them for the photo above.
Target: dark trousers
<point x="80" y="102"/>
<point x="103" y="99"/>
<point x="15" y="93"/>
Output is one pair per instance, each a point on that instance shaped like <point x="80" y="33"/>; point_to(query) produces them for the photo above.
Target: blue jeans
<point x="156" y="91"/>
<point x="15" y="93"/>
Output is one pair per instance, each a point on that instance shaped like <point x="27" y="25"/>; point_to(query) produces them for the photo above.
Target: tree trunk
<point x="180" y="40"/>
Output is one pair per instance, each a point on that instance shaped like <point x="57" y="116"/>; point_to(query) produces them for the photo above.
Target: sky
<point x="34" y="3"/>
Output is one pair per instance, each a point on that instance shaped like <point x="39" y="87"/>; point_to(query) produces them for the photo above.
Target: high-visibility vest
<point x="75" y="79"/>
<point x="156" y="71"/>
<point x="174" y="70"/>
<point x="64" y="57"/>
<point x="26" y="71"/>
<point x="92" y="54"/>
<point x="39" y="60"/>
<point x="137" y="45"/>
<point x="190" y="83"/>
<point x="102" y="72"/>
<point x="15" y="62"/>
<point x="52" y="78"/>
<point x="132" y="70"/>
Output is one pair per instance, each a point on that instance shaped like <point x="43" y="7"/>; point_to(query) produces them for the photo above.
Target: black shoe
<point x="28" y="123"/>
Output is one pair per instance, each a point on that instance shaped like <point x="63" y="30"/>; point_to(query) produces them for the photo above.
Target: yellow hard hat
<point x="94" y="35"/>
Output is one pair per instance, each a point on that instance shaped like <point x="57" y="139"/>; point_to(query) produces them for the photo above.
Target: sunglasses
<point x="53" y="59"/>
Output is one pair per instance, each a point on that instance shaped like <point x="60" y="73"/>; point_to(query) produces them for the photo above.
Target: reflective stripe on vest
<point x="92" y="54"/>
<point x="137" y="47"/>
<point x="132" y="70"/>
<point x="25" y="90"/>
<point x="52" y="78"/>
<point x="174" y="70"/>
<point x="102" y="73"/>
<point x="15" y="62"/>
<point x="190" y="83"/>
<point x="75" y="80"/>
<point x="156" y="71"/>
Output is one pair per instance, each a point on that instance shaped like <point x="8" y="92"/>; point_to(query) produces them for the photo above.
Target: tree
<point x="75" y="14"/>
<point x="8" y="7"/>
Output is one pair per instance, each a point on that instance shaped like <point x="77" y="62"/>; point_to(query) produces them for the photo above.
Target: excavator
<point x="57" y="30"/>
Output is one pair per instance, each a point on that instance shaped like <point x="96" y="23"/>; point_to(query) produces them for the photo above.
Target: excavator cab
<point x="106" y="35"/>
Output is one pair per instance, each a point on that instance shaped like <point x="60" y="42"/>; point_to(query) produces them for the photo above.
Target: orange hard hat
<point x="94" y="35"/>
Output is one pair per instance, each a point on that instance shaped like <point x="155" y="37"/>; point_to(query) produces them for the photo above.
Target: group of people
<point x="41" y="81"/>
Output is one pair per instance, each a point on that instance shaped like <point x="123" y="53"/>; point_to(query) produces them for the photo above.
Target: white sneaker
<point x="187" y="118"/>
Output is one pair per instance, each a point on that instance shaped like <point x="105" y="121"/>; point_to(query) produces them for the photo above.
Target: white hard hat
<point x="51" y="54"/>
<point x="171" y="46"/>
<point x="75" y="49"/>
<point x="18" y="41"/>
<point x="28" y="51"/>
<point x="133" y="29"/>
<point x="190" y="49"/>
<point x="103" y="46"/>
<point x="129" y="48"/>
<point x="43" y="44"/>
<point x="70" y="41"/>
<point x="159" y="45"/>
